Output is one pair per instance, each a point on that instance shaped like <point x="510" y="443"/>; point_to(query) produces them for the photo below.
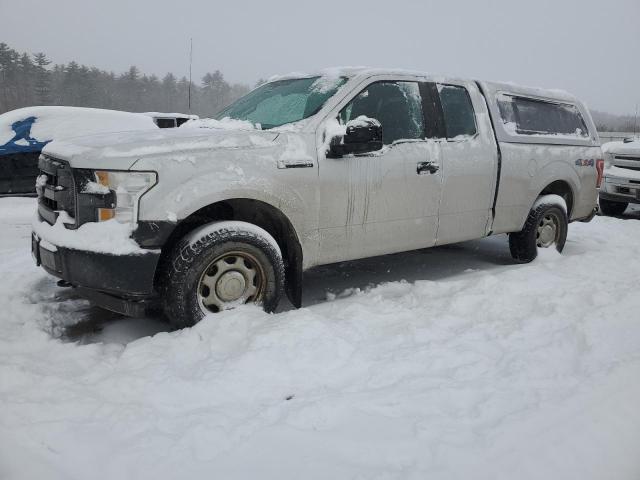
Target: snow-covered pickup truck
<point x="621" y="177"/>
<point x="308" y="170"/>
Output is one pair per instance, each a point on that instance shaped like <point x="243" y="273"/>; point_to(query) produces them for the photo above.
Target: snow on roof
<point x="324" y="72"/>
<point x="349" y="72"/>
<point x="39" y="125"/>
<point x="361" y="71"/>
<point x="515" y="88"/>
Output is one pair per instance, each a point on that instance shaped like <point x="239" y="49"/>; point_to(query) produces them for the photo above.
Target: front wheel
<point x="609" y="208"/>
<point x="546" y="226"/>
<point x="218" y="267"/>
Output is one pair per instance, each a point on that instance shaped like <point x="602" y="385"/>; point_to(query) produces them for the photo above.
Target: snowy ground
<point x="463" y="365"/>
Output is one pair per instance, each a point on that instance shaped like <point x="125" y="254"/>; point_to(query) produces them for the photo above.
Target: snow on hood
<point x="122" y="150"/>
<point x="53" y="123"/>
<point x="631" y="148"/>
<point x="224" y="124"/>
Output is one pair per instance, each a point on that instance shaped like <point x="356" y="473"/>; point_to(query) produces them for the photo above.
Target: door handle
<point x="427" y="167"/>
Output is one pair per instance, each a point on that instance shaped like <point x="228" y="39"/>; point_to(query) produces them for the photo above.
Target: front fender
<point x="185" y="185"/>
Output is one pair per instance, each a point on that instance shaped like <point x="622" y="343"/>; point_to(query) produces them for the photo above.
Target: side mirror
<point x="363" y="135"/>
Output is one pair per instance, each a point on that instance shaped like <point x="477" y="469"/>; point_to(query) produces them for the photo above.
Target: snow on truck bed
<point x="473" y="368"/>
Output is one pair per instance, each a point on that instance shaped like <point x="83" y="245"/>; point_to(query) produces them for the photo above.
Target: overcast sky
<point x="589" y="48"/>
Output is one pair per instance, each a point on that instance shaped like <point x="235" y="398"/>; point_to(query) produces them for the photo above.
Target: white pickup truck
<point x="308" y="170"/>
<point x="621" y="176"/>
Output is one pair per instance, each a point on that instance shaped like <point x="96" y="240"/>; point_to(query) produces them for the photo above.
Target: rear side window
<point x="459" y="117"/>
<point x="526" y="116"/>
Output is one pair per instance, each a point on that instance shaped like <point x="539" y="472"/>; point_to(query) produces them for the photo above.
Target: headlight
<point x="129" y="187"/>
<point x="607" y="160"/>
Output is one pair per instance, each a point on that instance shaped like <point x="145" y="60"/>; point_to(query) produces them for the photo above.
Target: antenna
<point x="635" y="122"/>
<point x="190" y="63"/>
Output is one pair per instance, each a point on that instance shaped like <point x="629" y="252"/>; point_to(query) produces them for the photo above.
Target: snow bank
<point x="109" y="236"/>
<point x="478" y="369"/>
<point x="67" y="122"/>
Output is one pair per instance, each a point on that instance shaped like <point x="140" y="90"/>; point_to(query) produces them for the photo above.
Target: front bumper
<point x="613" y="197"/>
<point x="121" y="283"/>
<point x="618" y="189"/>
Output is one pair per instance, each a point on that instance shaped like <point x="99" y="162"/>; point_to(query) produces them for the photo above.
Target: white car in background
<point x="621" y="184"/>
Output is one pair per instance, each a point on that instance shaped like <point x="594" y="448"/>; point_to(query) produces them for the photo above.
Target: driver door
<point x="379" y="202"/>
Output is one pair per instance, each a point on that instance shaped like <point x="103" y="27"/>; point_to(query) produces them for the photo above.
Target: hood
<point x="122" y="150"/>
<point x="620" y="148"/>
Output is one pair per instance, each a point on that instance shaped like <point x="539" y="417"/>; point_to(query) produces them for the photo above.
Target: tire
<point x="536" y="234"/>
<point x="220" y="266"/>
<point x="609" y="208"/>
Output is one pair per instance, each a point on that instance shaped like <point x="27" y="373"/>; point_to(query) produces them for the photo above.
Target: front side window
<point x="396" y="105"/>
<point x="459" y="117"/>
<point x="283" y="101"/>
<point x="527" y="116"/>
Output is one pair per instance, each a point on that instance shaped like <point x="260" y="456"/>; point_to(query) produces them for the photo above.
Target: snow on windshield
<point x="283" y="101"/>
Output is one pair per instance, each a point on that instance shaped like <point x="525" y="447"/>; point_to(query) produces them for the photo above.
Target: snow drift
<point x="474" y="368"/>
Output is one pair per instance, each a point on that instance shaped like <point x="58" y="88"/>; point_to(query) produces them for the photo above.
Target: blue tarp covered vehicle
<point x="19" y="159"/>
<point x="24" y="132"/>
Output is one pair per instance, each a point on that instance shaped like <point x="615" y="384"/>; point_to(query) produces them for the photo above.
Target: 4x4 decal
<point x="585" y="162"/>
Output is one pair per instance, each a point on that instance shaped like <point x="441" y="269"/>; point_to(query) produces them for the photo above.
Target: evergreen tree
<point x="27" y="80"/>
<point x="169" y="89"/>
<point x="42" y="84"/>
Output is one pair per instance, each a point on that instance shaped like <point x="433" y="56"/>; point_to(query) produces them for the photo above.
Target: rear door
<point x="469" y="163"/>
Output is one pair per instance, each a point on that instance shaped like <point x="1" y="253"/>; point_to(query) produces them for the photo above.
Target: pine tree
<point x="26" y="84"/>
<point x="169" y="93"/>
<point x="215" y="92"/>
<point x="27" y="80"/>
<point x="42" y="79"/>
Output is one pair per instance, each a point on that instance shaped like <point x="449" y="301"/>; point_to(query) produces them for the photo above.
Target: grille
<point x="57" y="193"/>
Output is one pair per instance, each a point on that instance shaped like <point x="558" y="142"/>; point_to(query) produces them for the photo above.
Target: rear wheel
<point x="607" y="207"/>
<point x="219" y="267"/>
<point x="546" y="227"/>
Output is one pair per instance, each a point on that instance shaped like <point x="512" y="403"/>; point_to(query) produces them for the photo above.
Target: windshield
<point x="283" y="101"/>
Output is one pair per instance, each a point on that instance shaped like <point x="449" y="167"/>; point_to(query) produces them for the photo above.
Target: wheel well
<point x="562" y="188"/>
<point x="252" y="211"/>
